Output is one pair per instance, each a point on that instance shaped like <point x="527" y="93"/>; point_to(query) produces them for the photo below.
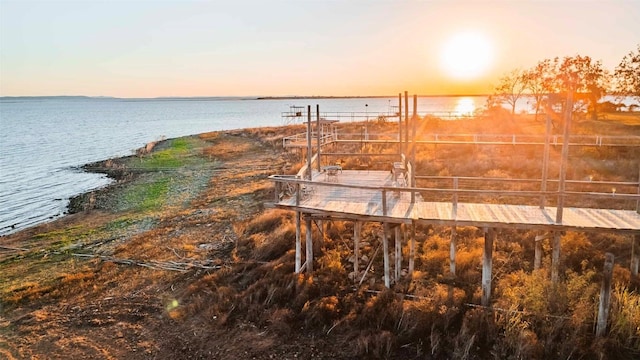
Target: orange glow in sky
<point x="148" y="48"/>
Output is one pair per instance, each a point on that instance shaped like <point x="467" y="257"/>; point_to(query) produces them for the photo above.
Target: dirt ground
<point x="95" y="284"/>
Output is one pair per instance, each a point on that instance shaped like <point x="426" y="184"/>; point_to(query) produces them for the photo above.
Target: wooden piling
<point x="398" y="244"/>
<point x="309" y="149"/>
<point x="412" y="249"/>
<point x="487" y="264"/>
<point x="545" y="161"/>
<point x="555" y="257"/>
<point x="452" y="252"/>
<point x="565" y="158"/>
<point x="309" y="245"/>
<point x="406" y="116"/>
<point x="400" y="144"/>
<point x="357" y="228"/>
<point x="385" y="254"/>
<point x="635" y="254"/>
<point x="537" y="261"/>
<point x="298" y="243"/>
<point x="318" y="136"/>
<point x="605" y="295"/>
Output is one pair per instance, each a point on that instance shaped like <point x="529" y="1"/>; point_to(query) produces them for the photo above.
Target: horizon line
<point x="256" y="97"/>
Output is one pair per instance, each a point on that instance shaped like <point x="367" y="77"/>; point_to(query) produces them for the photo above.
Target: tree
<point x="627" y="74"/>
<point x="539" y="83"/>
<point x="553" y="79"/>
<point x="510" y="89"/>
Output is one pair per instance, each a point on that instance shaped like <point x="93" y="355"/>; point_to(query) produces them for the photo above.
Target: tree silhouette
<point x="627" y="74"/>
<point x="510" y="89"/>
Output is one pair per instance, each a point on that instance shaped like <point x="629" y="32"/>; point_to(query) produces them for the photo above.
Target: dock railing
<point x="386" y="196"/>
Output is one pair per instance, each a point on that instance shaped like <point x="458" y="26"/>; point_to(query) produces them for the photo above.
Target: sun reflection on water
<point x="465" y="107"/>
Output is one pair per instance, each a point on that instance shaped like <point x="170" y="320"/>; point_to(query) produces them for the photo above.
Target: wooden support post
<point x="318" y="135"/>
<point x="412" y="249"/>
<point x="400" y="144"/>
<point x="413" y="149"/>
<point x="309" y="149"/>
<point x="298" y="243"/>
<point x="384" y="202"/>
<point x="309" y="245"/>
<point x="385" y="254"/>
<point x="406" y="117"/>
<point x="635" y="254"/>
<point x="537" y="260"/>
<point x="605" y="296"/>
<point x="487" y="264"/>
<point x="555" y="258"/>
<point x="565" y="158"/>
<point x="357" y="228"/>
<point x="452" y="252"/>
<point x="545" y="161"/>
<point x="400" y="123"/>
<point x="454" y="205"/>
<point x="638" y="201"/>
<point x="398" y="243"/>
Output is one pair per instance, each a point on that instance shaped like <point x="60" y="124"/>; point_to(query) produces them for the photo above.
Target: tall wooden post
<point x="400" y="149"/>
<point x="309" y="149"/>
<point x="555" y="258"/>
<point x="487" y="264"/>
<point x="413" y="146"/>
<point x="400" y="145"/>
<point x="406" y="118"/>
<point x="412" y="249"/>
<point x="385" y="253"/>
<point x="635" y="254"/>
<point x="309" y="245"/>
<point x="318" y="128"/>
<point x="452" y="252"/>
<point x="605" y="296"/>
<point x="298" y="243"/>
<point x="545" y="161"/>
<point x="565" y="157"/>
<point x="357" y="228"/>
<point x="398" y="244"/>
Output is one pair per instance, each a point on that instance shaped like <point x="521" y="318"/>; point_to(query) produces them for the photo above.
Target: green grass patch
<point x="177" y="154"/>
<point x="147" y="196"/>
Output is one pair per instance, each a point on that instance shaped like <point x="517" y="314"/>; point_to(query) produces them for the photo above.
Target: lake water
<point x="44" y="141"/>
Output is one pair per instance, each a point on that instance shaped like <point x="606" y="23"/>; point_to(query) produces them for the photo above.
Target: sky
<point x="159" y="48"/>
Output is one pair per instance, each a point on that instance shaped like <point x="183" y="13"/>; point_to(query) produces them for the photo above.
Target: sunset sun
<point x="466" y="55"/>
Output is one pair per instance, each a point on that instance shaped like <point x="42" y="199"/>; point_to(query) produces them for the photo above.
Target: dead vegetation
<point x="252" y="306"/>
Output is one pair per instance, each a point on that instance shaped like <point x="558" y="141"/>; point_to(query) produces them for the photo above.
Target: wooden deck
<point x="358" y="195"/>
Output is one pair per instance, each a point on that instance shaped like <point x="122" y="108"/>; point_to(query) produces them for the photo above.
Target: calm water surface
<point x="43" y="141"/>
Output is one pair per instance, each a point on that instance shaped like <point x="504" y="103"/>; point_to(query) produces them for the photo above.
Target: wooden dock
<point x="358" y="195"/>
<point x="391" y="197"/>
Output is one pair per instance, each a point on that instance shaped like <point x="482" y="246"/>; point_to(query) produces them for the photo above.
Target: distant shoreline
<point x="201" y="98"/>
